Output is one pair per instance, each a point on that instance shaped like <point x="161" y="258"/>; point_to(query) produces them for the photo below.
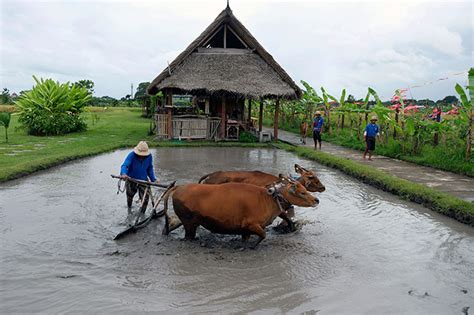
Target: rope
<point x="277" y="196"/>
<point x="119" y="189"/>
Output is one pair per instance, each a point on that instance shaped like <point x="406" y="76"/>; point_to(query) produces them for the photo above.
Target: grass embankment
<point x="107" y="130"/>
<point x="453" y="207"/>
<point x="444" y="157"/>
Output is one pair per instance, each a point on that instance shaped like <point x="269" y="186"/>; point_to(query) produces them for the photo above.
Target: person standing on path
<point x="137" y="165"/>
<point x="317" y="129"/>
<point x="371" y="131"/>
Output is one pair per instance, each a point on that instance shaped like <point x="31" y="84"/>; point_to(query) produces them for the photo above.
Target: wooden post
<point x="260" y="116"/>
<point x="225" y="36"/>
<point x="206" y="109"/>
<point x="170" y="114"/>
<point x="275" y="122"/>
<point x="250" y="111"/>
<point x="223" y="118"/>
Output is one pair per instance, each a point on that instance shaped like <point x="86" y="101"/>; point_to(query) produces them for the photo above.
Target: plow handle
<point x="145" y="182"/>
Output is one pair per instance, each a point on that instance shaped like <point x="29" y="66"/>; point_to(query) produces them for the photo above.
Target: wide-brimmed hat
<point x="373" y="118"/>
<point x="141" y="149"/>
<point x="318" y="112"/>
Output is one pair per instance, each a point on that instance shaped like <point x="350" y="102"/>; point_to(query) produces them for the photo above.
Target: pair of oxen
<point x="240" y="202"/>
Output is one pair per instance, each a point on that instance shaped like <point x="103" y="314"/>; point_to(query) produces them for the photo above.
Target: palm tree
<point x="5" y="122"/>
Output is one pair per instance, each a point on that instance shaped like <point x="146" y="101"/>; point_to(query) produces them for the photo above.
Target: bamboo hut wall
<point x="161" y="125"/>
<point x="185" y="128"/>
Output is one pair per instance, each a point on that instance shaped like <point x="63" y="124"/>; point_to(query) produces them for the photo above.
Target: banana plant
<point x="342" y="106"/>
<point x="466" y="111"/>
<point x="52" y="108"/>
<point x="327" y="108"/>
<point x="310" y="99"/>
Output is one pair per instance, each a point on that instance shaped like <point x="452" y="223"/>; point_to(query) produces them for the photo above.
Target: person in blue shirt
<point x="137" y="165"/>
<point x="371" y="131"/>
<point x="317" y="129"/>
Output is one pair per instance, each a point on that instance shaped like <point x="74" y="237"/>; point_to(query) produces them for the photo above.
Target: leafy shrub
<point x="247" y="137"/>
<point x="52" y="108"/>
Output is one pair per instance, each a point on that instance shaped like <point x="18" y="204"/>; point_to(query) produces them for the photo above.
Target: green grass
<point x="115" y="128"/>
<point x="453" y="207"/>
<point x="448" y="158"/>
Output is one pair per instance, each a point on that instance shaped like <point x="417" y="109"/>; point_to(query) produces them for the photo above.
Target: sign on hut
<point x="221" y="69"/>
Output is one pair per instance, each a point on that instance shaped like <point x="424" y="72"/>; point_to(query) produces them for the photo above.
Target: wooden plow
<point x="154" y="204"/>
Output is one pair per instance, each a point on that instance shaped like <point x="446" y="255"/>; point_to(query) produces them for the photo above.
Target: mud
<point x="360" y="251"/>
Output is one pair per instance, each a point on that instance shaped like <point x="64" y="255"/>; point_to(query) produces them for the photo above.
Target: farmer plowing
<point x="232" y="202"/>
<point x="139" y="176"/>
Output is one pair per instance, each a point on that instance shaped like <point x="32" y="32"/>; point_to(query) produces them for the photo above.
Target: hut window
<point x="217" y="41"/>
<point x="233" y="41"/>
<point x="225" y="33"/>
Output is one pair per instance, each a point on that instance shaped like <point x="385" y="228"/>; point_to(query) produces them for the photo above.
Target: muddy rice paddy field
<point x="360" y="251"/>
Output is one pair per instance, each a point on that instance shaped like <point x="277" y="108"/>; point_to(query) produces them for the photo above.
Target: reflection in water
<point x="359" y="251"/>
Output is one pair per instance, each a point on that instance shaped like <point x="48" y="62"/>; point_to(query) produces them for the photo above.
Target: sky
<point x="348" y="44"/>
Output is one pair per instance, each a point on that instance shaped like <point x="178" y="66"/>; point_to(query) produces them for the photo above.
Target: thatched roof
<point x="250" y="72"/>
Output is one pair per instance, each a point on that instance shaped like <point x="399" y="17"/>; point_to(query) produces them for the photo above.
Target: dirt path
<point x="454" y="184"/>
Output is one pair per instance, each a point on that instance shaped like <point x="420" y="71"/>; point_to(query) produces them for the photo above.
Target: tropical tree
<point x="327" y="108"/>
<point x="5" y="122"/>
<point x="141" y="89"/>
<point x="87" y="84"/>
<point x="466" y="112"/>
<point x="342" y="105"/>
<point x="382" y="112"/>
<point x="309" y="101"/>
<point x="5" y="97"/>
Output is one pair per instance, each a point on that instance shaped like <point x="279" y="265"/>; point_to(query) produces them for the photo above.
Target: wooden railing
<point x="188" y="127"/>
<point x="161" y="126"/>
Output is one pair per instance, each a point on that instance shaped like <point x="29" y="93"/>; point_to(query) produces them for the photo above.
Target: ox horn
<point x="282" y="178"/>
<point x="300" y="167"/>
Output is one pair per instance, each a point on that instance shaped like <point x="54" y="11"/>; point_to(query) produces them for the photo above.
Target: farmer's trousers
<point x="131" y="189"/>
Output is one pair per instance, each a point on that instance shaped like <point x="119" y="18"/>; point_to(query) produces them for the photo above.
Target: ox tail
<point x="166" y="230"/>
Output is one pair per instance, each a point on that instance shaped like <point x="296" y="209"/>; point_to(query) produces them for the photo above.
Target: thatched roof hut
<point x="237" y="64"/>
<point x="226" y="61"/>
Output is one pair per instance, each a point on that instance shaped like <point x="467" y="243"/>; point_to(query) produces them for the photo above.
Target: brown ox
<point x="307" y="178"/>
<point x="303" y="131"/>
<point x="234" y="208"/>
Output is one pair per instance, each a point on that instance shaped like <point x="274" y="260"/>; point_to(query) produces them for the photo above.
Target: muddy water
<point x="359" y="251"/>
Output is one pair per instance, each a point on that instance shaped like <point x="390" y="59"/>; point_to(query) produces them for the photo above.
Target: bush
<point x="247" y="137"/>
<point x="51" y="108"/>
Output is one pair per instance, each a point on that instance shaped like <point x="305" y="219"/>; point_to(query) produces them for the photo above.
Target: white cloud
<point x="339" y="44"/>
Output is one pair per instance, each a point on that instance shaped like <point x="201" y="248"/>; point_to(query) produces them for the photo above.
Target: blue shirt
<point x="371" y="130"/>
<point x="318" y="124"/>
<point x="133" y="167"/>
